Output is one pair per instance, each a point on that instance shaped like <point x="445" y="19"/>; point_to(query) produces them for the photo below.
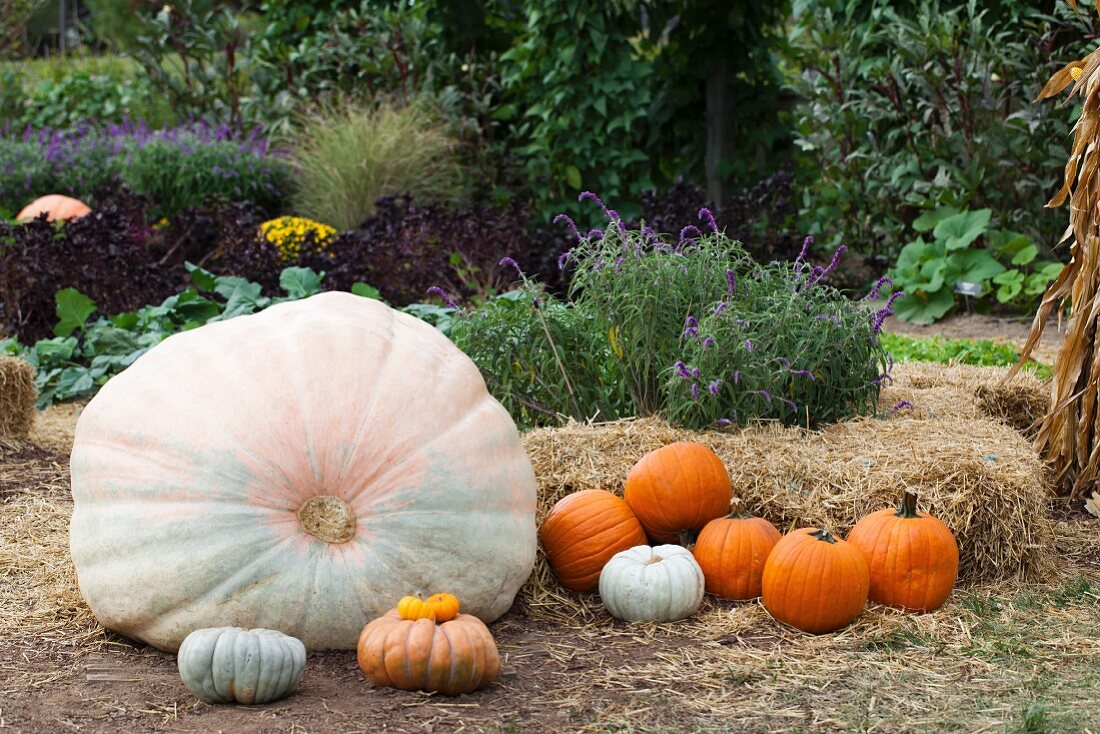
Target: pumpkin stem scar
<point x="654" y="559"/>
<point x="328" y="518"/>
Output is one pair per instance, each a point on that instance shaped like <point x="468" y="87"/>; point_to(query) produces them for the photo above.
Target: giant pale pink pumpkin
<point x="55" y="206"/>
<point x="301" y="469"/>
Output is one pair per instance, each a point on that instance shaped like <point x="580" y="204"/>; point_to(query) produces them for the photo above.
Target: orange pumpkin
<point x="445" y="606"/>
<point x="815" y="582"/>
<point x="732" y="551"/>
<point x="913" y="557"/>
<point x="679" y="487"/>
<point x="455" y="657"/>
<point x="56" y="207"/>
<point x="583" y="531"/>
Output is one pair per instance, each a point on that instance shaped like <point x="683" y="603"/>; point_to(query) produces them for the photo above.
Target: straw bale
<point x="17" y="397"/>
<point x="936" y="391"/>
<point x="979" y="476"/>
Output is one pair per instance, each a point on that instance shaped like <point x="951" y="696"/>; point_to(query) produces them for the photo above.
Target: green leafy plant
<point x="928" y="271"/>
<point x="87" y="352"/>
<point x="984" y="352"/>
<point x="913" y="106"/>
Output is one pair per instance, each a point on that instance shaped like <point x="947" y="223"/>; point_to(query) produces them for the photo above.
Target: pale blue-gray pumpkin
<point x="235" y="665"/>
<point x="660" y="584"/>
<point x="300" y="469"/>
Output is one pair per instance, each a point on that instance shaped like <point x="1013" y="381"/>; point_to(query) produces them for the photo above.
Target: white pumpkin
<point x="300" y="469"/>
<point x="233" y="665"/>
<point x="660" y="584"/>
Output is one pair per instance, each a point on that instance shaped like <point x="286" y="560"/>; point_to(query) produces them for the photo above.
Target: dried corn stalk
<point x="1069" y="434"/>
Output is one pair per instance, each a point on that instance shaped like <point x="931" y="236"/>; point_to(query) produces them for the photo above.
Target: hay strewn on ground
<point x="979" y="476"/>
<point x="965" y="391"/>
<point x="17" y="397"/>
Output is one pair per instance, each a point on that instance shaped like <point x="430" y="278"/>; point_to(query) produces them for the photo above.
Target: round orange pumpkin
<point x="56" y="207"/>
<point x="913" y="557"/>
<point x="732" y="551"/>
<point x="678" y="487"/>
<point x="444" y="606"/>
<point x="815" y="582"/>
<point x="583" y="531"/>
<point x="454" y="657"/>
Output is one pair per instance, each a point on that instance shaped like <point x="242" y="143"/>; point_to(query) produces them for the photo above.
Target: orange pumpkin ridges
<point x="732" y="551"/>
<point x="912" y="557"/>
<point x="459" y="656"/>
<point x="815" y="582"/>
<point x="583" y="531"/>
<point x="676" y="488"/>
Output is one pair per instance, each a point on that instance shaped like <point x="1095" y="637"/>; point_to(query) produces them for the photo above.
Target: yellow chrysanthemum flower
<point x="288" y="235"/>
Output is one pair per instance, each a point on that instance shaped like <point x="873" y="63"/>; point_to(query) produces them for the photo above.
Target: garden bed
<point x="1018" y="653"/>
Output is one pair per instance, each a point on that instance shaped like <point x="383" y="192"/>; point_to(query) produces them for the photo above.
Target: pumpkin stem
<point x="737" y="510"/>
<point x="824" y="535"/>
<point x="654" y="559"/>
<point x="907" y="508"/>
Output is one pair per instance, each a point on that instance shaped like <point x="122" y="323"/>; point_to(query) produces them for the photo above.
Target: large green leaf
<point x="924" y="307"/>
<point x="927" y="222"/>
<point x="961" y="230"/>
<point x="972" y="266"/>
<point x="73" y="309"/>
<point x="299" y="282"/>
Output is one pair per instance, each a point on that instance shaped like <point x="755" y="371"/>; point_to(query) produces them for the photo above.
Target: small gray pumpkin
<point x="230" y="664"/>
<point x="661" y="584"/>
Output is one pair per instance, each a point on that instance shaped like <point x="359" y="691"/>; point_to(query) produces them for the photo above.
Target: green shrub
<point x="349" y="158"/>
<point x="908" y="107"/>
<point x="984" y="352"/>
<point x="543" y="359"/>
<point x="694" y="330"/>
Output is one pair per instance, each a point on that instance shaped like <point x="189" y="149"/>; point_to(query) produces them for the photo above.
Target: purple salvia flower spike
<point x="509" y="262"/>
<point x="731" y="281"/>
<point x="901" y="406"/>
<point x="437" y="291"/>
<point x="709" y="342"/>
<point x="695" y="391"/>
<point x="569" y="221"/>
<point x="705" y="214"/>
<point x="688" y="229"/>
<point x="712" y="388"/>
<point x="806" y="243"/>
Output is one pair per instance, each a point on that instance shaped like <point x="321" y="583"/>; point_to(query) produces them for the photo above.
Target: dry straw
<point x="17" y="398"/>
<point x="977" y="475"/>
<point x="966" y="392"/>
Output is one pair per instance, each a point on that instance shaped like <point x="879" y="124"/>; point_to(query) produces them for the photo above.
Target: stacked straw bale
<point x="17" y="398"/>
<point x="966" y="392"/>
<point x="979" y="476"/>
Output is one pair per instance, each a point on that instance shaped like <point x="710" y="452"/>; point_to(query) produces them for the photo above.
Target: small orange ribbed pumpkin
<point x="815" y="582"/>
<point x="583" y="531"/>
<point x="455" y="657"/>
<point x="913" y="557"/>
<point x="678" y="487"/>
<point x="414" y="607"/>
<point x="56" y="207"/>
<point x="732" y="550"/>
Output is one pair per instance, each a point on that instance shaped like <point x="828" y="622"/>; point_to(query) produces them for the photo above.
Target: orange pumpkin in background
<point x="913" y="557"/>
<point x="676" y="488"/>
<point x="732" y="551"/>
<point x="583" y="531"/>
<point x="815" y="582"/>
<point x="56" y="207"/>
